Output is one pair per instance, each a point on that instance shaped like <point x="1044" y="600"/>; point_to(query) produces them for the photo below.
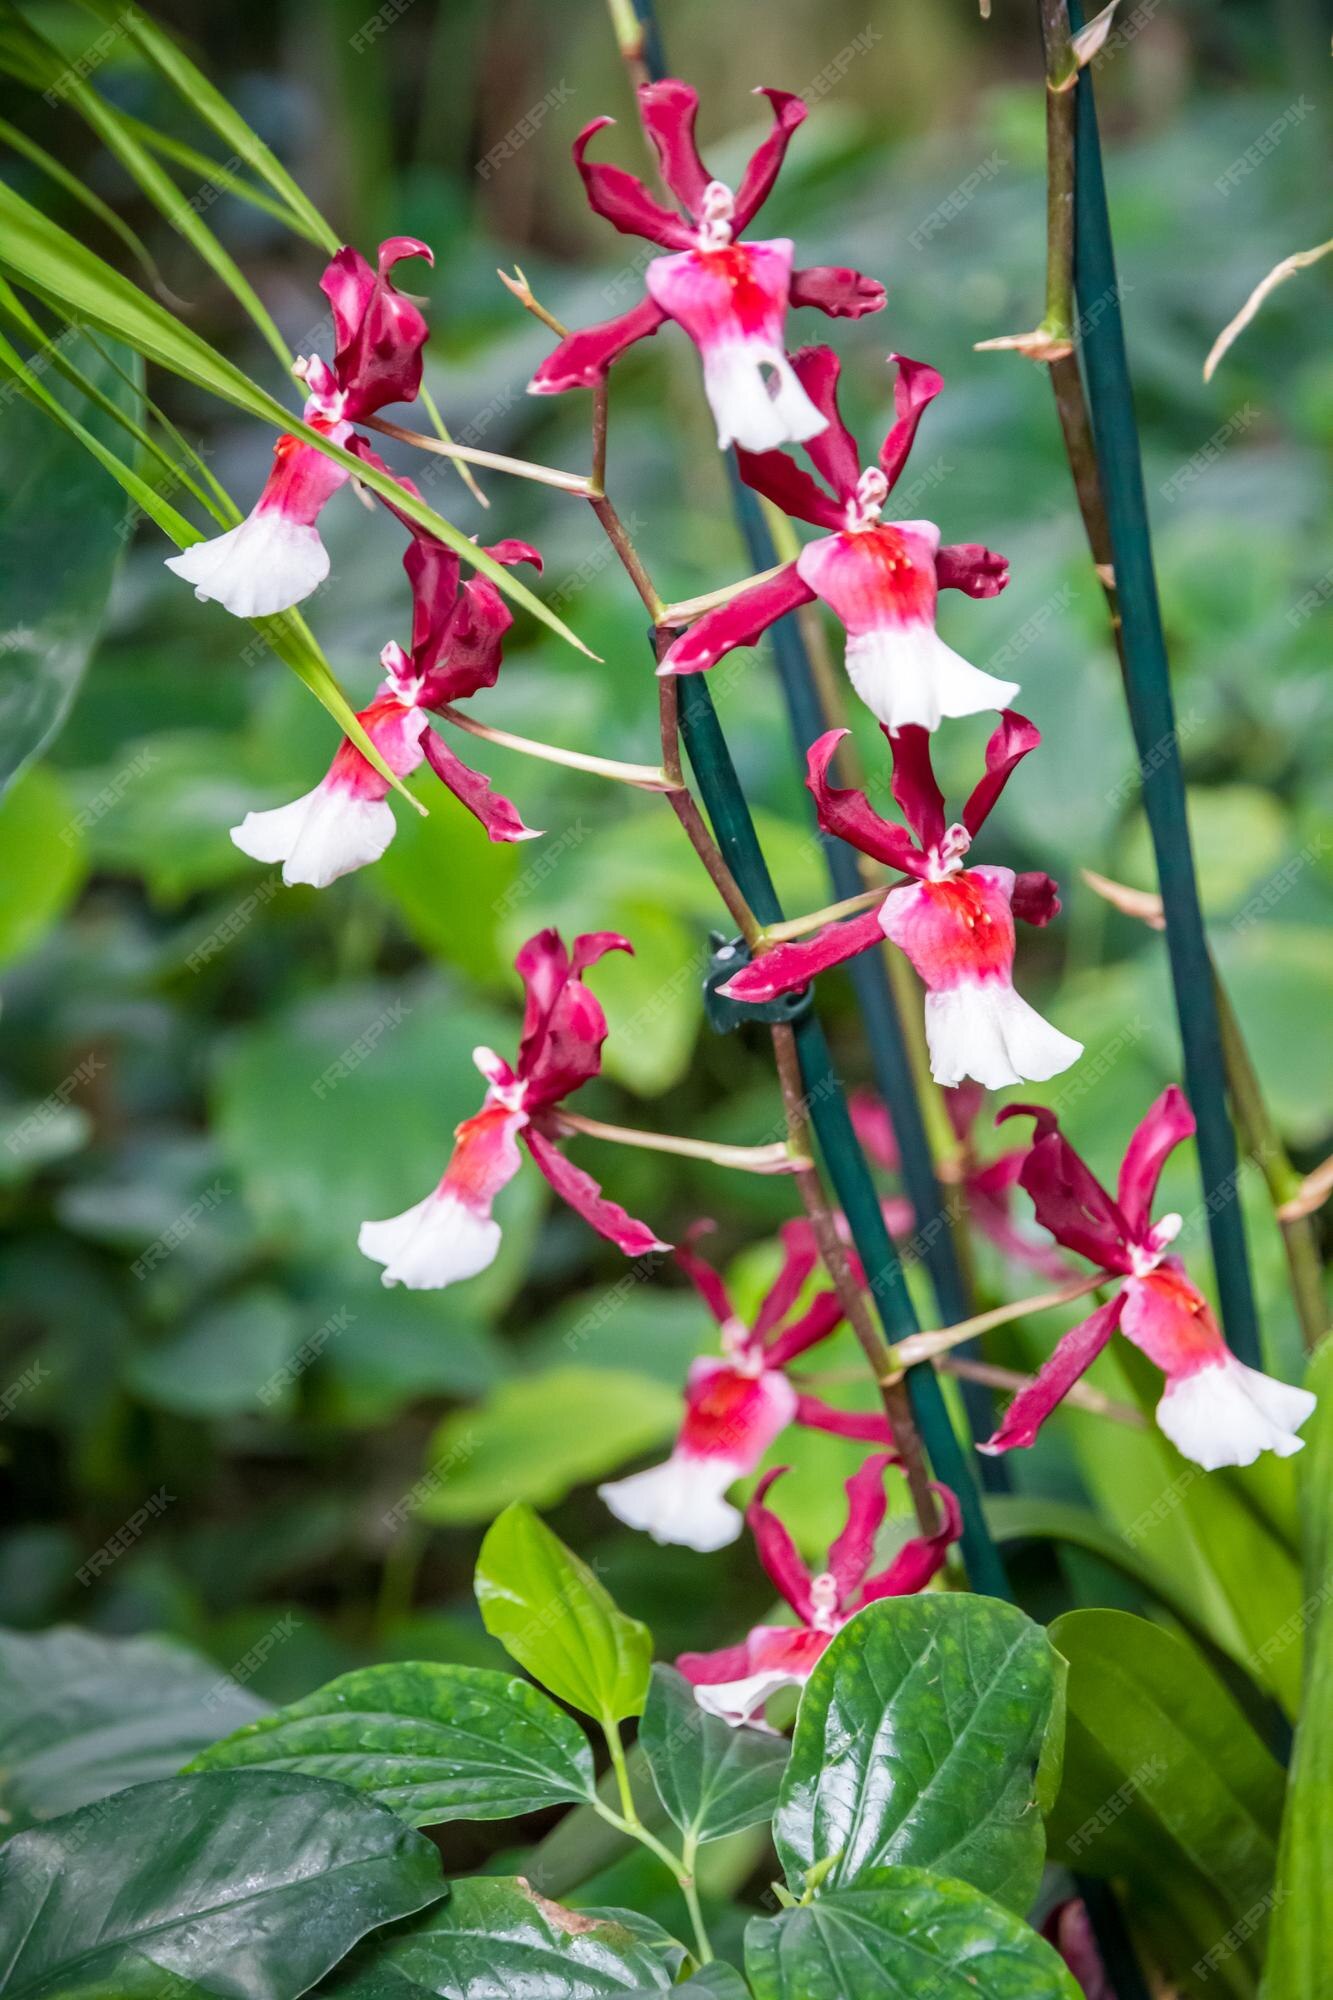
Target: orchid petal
<point x="1072" y="1357"/>
<point x="500" y="817"/>
<point x="706" y="1281"/>
<point x="788" y="486"/>
<point x="668" y="109"/>
<point x="1011" y="742"/>
<point x="621" y="198"/>
<point x="869" y="1427"/>
<point x="920" y="1559"/>
<point x="915" y="791"/>
<point x="1036" y="898"/>
<point x="379" y="334"/>
<point x="833" y="453"/>
<point x="582" y="358"/>
<point x="788" y="967"/>
<point x="850" y="1555"/>
<point x="915" y="388"/>
<point x="1169" y="1122"/>
<point x="1067" y="1197"/>
<point x="776" y="1549"/>
<point x="585" y="1197"/>
<point x="837" y="290"/>
<point x="741" y="621"/>
<point x="849" y="814"/>
<point x="824" y="1315"/>
<point x="563" y="1023"/>
<point x="971" y="568"/>
<point x="800" y="1253"/>
<point x="757" y="181"/>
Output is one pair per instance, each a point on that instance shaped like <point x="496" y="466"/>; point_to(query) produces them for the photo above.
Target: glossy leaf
<point x="712" y="1779"/>
<point x="1167" y="1787"/>
<point x="548" y="1610"/>
<point x="36" y="819"/>
<point x="431" y="1742"/>
<point x="82" y="1716"/>
<point x="533" y="1439"/>
<point x="1302" y="1919"/>
<point x="904" y="1934"/>
<point x="251" y="1884"/>
<point x="497" y="1937"/>
<point x="918" y="1743"/>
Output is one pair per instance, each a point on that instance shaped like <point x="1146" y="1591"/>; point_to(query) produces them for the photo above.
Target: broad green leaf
<point x="195" y="89"/>
<point x="906" y="1935"/>
<point x="1167" y="1787"/>
<point x="64" y="537"/>
<point x="1302" y="1922"/>
<point x="56" y="265"/>
<point x="431" y="1742"/>
<point x="713" y="1779"/>
<point x="548" y="1610"/>
<point x="248" y="1884"/>
<point x="715" y="1982"/>
<point x="540" y="1435"/>
<point x="227" y="1359"/>
<point x="497" y="1937"/>
<point x="82" y="1716"/>
<point x="918" y="1742"/>
<point x="41" y="859"/>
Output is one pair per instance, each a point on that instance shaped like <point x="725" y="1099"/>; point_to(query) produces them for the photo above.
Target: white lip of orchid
<point x="404" y="685"/>
<point x="824" y="1602"/>
<point x="715" y="217"/>
<point x="1146" y="1256"/>
<point x="867" y="503"/>
<point x="946" y="858"/>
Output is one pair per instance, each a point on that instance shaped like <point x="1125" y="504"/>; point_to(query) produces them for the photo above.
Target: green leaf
<point x="244" y="1884"/>
<point x="540" y="1435"/>
<point x="1167" y="1787"/>
<point x="62" y="545"/>
<point x="431" y="1742"/>
<point x="41" y="860"/>
<point x="56" y="265"/>
<point x="551" y="1614"/>
<point x="712" y="1779"/>
<point x="496" y="1937"/>
<point x="918" y="1742"/>
<point x="1297" y="1960"/>
<point x="906" y="1935"/>
<point x="223" y="1362"/>
<point x="81" y="1716"/>
<point x="715" y="1982"/>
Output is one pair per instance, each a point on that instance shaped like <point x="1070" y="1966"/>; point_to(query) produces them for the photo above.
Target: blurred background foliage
<point x="329" y="1450"/>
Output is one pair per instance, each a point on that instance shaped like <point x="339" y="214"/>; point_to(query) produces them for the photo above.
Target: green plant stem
<point x="627" y="1821"/>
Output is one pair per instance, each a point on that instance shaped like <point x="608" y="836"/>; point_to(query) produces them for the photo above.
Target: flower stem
<point x="647" y="777"/>
<point x="522" y="468"/>
<point x="712" y="600"/>
<point x="924" y="1346"/>
<point x="628" y="1822"/>
<point x="1081" y="1396"/>
<point x="797" y="927"/>
<point x="775" y="1159"/>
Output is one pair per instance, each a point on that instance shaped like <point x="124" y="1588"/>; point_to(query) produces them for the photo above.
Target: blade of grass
<point x="214" y="172"/>
<point x="79" y="191"/>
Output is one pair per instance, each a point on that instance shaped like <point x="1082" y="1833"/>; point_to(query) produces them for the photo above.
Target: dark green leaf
<point x="908" y="1936"/>
<point x="64" y="537"/>
<point x="551" y="1614"/>
<point x="918" y="1742"/>
<point x="1167" y="1787"/>
<point x="431" y="1742"/>
<point x="713" y="1779"/>
<point x="1298" y="1954"/>
<point x="247" y="1885"/>
<point x="497" y="1938"/>
<point x="81" y="1716"/>
<point x="36" y="818"/>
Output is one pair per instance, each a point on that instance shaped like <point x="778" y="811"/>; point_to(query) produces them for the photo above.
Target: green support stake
<point x="1152" y="714"/>
<point x="734" y="831"/>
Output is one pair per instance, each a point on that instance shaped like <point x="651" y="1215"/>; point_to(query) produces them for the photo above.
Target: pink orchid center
<point x="824" y="1614"/>
<point x="867" y="503"/>
<point x="716" y="211"/>
<point x="954" y="929"/>
<point x="1171" y="1321"/>
<point x="872" y="573"/>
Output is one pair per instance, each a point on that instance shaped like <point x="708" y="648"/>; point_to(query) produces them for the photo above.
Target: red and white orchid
<point x="1214" y="1409"/>
<point x="736" y="1405"/>
<point x="986" y="1184"/>
<point x="731" y="297"/>
<point x="955" y="924"/>
<point x="346" y="821"/>
<point x="452" y="1234"/>
<point x="275" y="558"/>
<point x="736" y="1681"/>
<point x="880" y="578"/>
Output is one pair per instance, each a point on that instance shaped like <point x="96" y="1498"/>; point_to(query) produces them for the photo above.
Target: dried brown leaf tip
<point x="572" y="1922"/>
<point x="1145" y="904"/>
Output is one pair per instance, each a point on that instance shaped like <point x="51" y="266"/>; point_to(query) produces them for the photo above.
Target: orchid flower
<point x="346" y="821"/>
<point x="731" y="297"/>
<point x="1214" y="1409"/>
<point x="275" y="558"/>
<point x="987" y="1185"/>
<point x="736" y="1681"/>
<point x="736" y="1405"/>
<point x="452" y="1234"/>
<point x="955" y="924"/>
<point x="880" y="578"/>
